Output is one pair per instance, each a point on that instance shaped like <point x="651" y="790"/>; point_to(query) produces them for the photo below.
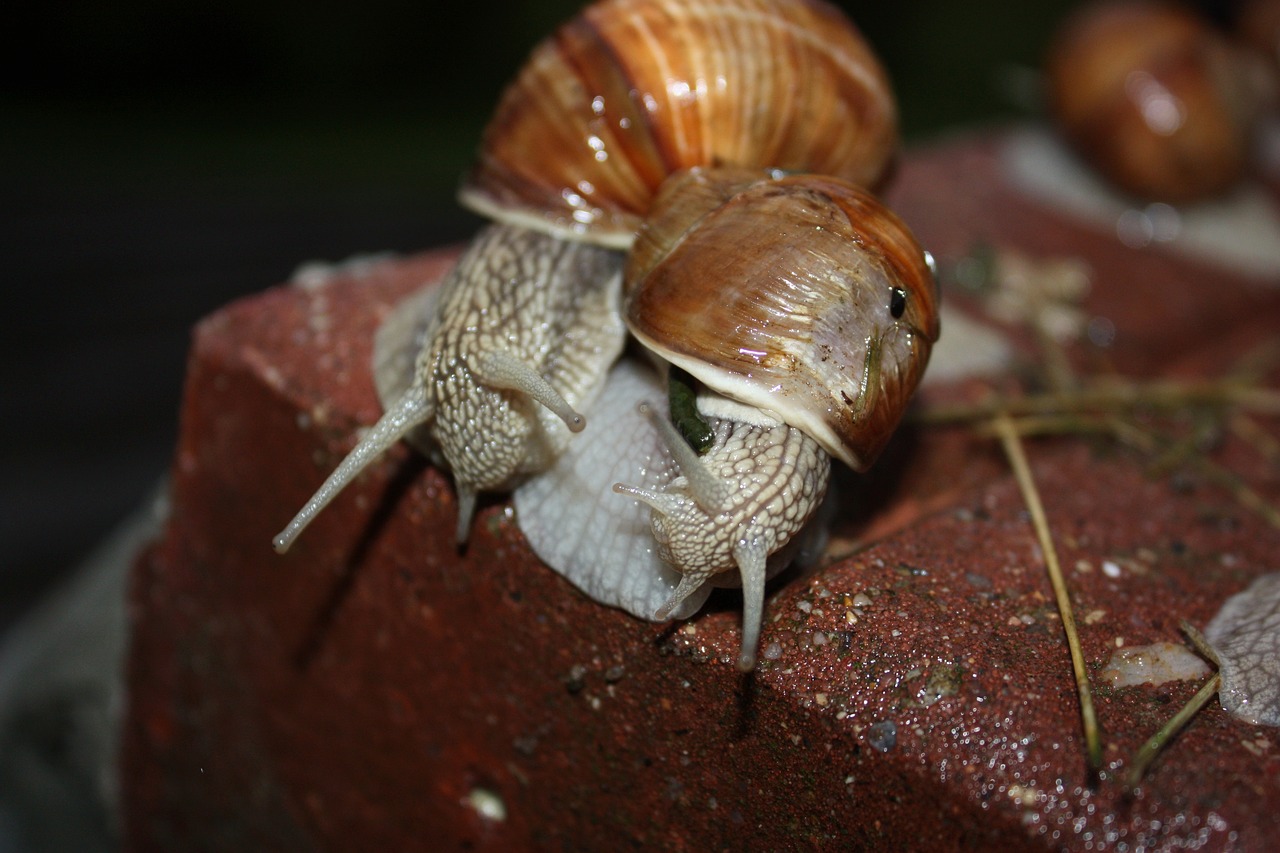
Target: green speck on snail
<point x="684" y="411"/>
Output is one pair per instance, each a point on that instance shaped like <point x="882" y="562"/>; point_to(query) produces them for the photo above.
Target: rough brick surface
<point x="375" y="689"/>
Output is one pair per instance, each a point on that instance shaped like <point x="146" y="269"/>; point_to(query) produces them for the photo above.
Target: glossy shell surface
<point x="631" y="91"/>
<point x="780" y="293"/>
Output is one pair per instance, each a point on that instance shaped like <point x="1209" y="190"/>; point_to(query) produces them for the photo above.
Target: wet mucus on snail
<point x="490" y="376"/>
<point x="804" y="312"/>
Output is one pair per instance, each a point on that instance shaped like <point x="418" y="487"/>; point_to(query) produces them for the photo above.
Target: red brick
<point x="357" y="692"/>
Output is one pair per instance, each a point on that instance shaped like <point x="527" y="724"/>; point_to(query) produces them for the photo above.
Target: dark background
<point x="158" y="160"/>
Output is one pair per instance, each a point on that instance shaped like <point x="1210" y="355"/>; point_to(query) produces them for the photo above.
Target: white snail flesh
<point x="675" y="529"/>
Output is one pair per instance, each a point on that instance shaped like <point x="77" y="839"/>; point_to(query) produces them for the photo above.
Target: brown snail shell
<point x="1155" y="99"/>
<point x="630" y="91"/>
<point x="801" y="295"/>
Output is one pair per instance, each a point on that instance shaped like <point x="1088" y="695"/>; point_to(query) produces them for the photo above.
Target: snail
<point x="806" y="312"/>
<point x="485" y="375"/>
<point x="489" y="377"/>
<point x="1155" y="99"/>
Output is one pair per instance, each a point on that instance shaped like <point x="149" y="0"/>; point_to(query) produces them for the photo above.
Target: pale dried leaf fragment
<point x="1154" y="664"/>
<point x="1245" y="635"/>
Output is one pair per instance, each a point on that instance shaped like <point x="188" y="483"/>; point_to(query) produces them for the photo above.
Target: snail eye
<point x="897" y="302"/>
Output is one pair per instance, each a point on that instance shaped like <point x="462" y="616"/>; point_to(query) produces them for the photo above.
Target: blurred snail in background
<point x="1155" y="99"/>
<point x="804" y="311"/>
<point x="663" y="116"/>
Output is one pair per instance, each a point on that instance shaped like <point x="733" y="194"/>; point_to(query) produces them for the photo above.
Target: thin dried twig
<point x="1168" y="454"/>
<point x="1243" y="494"/>
<point x="1022" y="472"/>
<point x="1248" y="429"/>
<point x="1156" y="743"/>
<point x="1151" y="750"/>
<point x="1198" y="640"/>
<point x="1112" y="397"/>
<point x="1147" y="441"/>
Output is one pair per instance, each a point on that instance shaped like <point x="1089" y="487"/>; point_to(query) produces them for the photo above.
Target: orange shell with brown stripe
<point x="801" y="295"/>
<point x="630" y="91"/>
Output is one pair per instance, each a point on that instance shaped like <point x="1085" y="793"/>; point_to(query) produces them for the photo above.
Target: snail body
<point x="517" y="338"/>
<point x="661" y="545"/>
<point x="806" y="311"/>
<point x="734" y="510"/>
<point x="617" y="99"/>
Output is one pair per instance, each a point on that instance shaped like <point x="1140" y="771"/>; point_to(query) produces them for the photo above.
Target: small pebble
<point x="576" y="679"/>
<point x="882" y="736"/>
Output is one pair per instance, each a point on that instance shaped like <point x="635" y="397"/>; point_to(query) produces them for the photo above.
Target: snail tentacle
<point x="466" y="510"/>
<point x="662" y="502"/>
<point x="752" y="556"/>
<point x="413" y="409"/>
<point x="501" y="369"/>
<point x="708" y="491"/>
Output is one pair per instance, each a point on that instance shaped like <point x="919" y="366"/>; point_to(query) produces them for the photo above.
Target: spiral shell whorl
<point x="633" y="90"/>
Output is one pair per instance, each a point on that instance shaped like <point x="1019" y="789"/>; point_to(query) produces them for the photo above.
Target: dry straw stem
<point x="1151" y="750"/>
<point x="1156" y="743"/>
<point x="1100" y="408"/>
<point x="1114" y="397"/>
<point x="1004" y="428"/>
<point x="1248" y="429"/>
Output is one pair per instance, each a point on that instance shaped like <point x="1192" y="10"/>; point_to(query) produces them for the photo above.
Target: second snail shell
<point x="779" y="292"/>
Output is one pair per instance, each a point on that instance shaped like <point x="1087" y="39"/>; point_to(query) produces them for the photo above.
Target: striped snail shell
<point x="525" y="328"/>
<point x="631" y="91"/>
